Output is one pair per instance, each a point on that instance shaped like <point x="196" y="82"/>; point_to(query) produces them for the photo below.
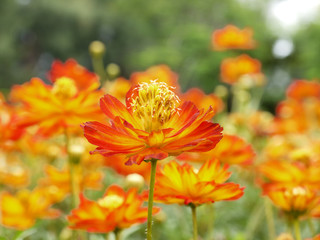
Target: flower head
<point x="20" y="211"/>
<point x="295" y="202"/>
<point x="183" y="184"/>
<point x="303" y="89"/>
<point x="71" y="100"/>
<point x="117" y="209"/>
<point x="83" y="79"/>
<point x="232" y="37"/>
<point x="232" y="69"/>
<point x="153" y="124"/>
<point x="279" y="174"/>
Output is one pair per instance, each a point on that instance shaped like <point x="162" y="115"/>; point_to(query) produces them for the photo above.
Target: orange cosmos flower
<point x="201" y="100"/>
<point x="232" y="69"/>
<point x="84" y="79"/>
<point x="232" y="37"/>
<point x="153" y="124"/>
<point x="22" y="210"/>
<point x="296" y="202"/>
<point x="302" y="89"/>
<point x="162" y="73"/>
<point x="71" y="100"/>
<point x="231" y="150"/>
<point x="281" y="174"/>
<point x="300" y="112"/>
<point x="115" y="210"/>
<point x="183" y="184"/>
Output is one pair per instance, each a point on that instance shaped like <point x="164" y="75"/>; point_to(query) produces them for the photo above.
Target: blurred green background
<point x="139" y="34"/>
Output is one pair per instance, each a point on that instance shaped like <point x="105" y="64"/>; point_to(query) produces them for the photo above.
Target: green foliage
<point x="137" y="34"/>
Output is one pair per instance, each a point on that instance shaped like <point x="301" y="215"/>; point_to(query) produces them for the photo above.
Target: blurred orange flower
<point x="296" y="202"/>
<point x="232" y="69"/>
<point x="279" y="174"/>
<point x="115" y="210"/>
<point x="161" y="73"/>
<point x="118" y="88"/>
<point x="300" y="112"/>
<point x="291" y="117"/>
<point x="9" y="131"/>
<point x="71" y="100"/>
<point x="201" y="100"/>
<point x="231" y="150"/>
<point x="153" y="124"/>
<point x="22" y="210"/>
<point x="12" y="172"/>
<point x="231" y="37"/>
<point x="183" y="184"/>
<point x="315" y="238"/>
<point x="303" y="89"/>
<point x="83" y="79"/>
<point x="61" y="179"/>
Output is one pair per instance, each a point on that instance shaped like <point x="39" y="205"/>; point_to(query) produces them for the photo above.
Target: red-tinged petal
<point x="112" y="107"/>
<point x="211" y="170"/>
<point x="106" y="137"/>
<point x="207" y="134"/>
<point x="226" y="191"/>
<point x="183" y="119"/>
<point x="147" y="154"/>
<point x="119" y="210"/>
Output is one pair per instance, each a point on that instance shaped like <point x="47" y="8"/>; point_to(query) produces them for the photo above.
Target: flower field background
<point x="166" y="121"/>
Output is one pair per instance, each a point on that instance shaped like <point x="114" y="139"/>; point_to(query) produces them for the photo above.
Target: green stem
<point x="254" y="220"/>
<point x="211" y="219"/>
<point x="297" y="229"/>
<point x="98" y="67"/>
<point x="311" y="227"/>
<point x="270" y="219"/>
<point x="194" y="221"/>
<point x="72" y="181"/>
<point x="150" y="200"/>
<point x="72" y="174"/>
<point x="117" y="234"/>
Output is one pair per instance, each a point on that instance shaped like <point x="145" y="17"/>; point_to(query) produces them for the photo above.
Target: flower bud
<point x="97" y="48"/>
<point x="134" y="180"/>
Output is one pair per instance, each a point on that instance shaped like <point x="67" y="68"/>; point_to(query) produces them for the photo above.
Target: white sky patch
<point x="282" y="48"/>
<point x="287" y="15"/>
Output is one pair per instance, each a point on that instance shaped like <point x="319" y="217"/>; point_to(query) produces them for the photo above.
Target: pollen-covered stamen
<point x="155" y="104"/>
<point x="64" y="88"/>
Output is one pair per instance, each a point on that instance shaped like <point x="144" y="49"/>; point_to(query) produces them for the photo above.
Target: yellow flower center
<point x="64" y="88"/>
<point x="155" y="104"/>
<point x="111" y="201"/>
